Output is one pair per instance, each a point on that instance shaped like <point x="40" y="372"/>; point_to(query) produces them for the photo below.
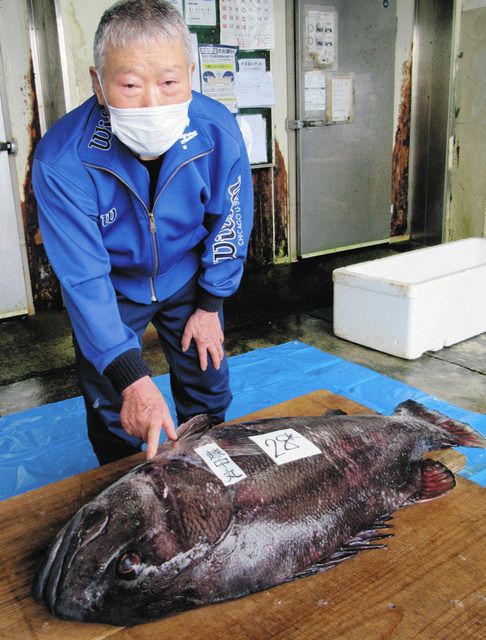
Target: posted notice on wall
<point x="247" y="24"/>
<point x="254" y="131"/>
<point x="218" y="72"/>
<point x="321" y="38"/>
<point x="315" y="90"/>
<point x="252" y="64"/>
<point x="201" y="12"/>
<point x="255" y="89"/>
<point x="342" y="108"/>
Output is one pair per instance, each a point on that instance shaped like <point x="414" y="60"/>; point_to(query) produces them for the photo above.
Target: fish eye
<point x="129" y="566"/>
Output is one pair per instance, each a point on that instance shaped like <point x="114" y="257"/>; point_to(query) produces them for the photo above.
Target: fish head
<point x="117" y="557"/>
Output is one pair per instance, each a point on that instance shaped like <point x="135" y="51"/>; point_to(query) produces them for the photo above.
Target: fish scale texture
<point x="170" y="536"/>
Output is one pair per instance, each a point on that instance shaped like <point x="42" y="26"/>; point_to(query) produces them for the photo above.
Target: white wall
<point x="279" y="70"/>
<point x="16" y="55"/>
<point x="467" y="5"/>
<point x="278" y="60"/>
<point x="80" y="19"/>
<point x="466" y="214"/>
<point x="18" y="105"/>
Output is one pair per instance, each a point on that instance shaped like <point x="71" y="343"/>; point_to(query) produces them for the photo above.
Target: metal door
<point x="13" y="290"/>
<point x="344" y="170"/>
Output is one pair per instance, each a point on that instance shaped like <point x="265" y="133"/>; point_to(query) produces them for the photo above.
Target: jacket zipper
<point x="153" y="231"/>
<point x="150" y="214"/>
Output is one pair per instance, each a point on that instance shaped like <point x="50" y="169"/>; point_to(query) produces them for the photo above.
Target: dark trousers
<point x="194" y="391"/>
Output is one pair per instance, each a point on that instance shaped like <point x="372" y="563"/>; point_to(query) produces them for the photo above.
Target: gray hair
<point x="142" y="22"/>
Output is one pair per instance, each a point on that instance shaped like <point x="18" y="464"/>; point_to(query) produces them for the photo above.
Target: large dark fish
<point x="171" y="535"/>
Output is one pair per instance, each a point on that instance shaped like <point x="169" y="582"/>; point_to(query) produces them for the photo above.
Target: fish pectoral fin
<point x="363" y="541"/>
<point x="342" y="554"/>
<point x="436" y="480"/>
<point x="382" y="523"/>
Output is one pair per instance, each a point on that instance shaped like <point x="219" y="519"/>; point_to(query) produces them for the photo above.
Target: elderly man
<point x="145" y="207"/>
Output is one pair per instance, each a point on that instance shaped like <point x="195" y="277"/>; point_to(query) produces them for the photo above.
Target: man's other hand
<point x="204" y="328"/>
<point x="144" y="413"/>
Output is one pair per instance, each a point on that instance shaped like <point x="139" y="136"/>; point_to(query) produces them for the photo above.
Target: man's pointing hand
<point x="144" y="413"/>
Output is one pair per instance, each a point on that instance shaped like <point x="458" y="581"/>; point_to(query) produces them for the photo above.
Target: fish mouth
<point x="86" y="525"/>
<point x="46" y="584"/>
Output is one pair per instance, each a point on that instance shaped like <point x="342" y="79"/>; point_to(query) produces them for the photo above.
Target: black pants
<point x="194" y="391"/>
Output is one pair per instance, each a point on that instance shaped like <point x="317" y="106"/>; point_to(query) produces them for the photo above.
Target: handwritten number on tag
<point x="281" y="443"/>
<point x="285" y="445"/>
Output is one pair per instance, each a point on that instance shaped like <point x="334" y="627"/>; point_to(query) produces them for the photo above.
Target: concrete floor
<point x="273" y="305"/>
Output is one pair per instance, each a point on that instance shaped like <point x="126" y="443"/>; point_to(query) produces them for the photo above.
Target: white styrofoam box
<point x="413" y="302"/>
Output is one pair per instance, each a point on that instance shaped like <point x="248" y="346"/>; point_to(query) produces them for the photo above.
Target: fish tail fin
<point x="436" y="480"/>
<point x="455" y="432"/>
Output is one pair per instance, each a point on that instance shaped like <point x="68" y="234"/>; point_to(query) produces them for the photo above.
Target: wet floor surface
<point x="274" y="305"/>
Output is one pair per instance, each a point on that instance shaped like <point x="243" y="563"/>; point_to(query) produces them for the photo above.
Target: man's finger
<point x="203" y="356"/>
<point x="220" y="351"/>
<point x="153" y="435"/>
<point x="186" y="340"/>
<point x="169" y="428"/>
<point x="215" y="356"/>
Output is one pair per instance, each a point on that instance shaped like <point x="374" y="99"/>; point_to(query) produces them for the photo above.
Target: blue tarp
<point x="48" y="443"/>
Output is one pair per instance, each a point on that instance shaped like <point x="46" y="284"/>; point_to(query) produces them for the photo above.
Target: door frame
<point x="293" y="147"/>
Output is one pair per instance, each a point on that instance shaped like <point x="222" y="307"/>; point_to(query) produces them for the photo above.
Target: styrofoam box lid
<point x="402" y="275"/>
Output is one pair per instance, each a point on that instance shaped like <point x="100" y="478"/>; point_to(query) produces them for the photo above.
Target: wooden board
<point x="428" y="584"/>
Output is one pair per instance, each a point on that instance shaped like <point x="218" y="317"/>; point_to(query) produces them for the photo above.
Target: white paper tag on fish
<point x="285" y="445"/>
<point x="220" y="463"/>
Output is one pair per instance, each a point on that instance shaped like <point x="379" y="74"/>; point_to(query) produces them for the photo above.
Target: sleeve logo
<point x="230" y="237"/>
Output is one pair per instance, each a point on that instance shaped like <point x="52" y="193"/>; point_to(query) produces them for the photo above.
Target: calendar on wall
<point x="247" y="24"/>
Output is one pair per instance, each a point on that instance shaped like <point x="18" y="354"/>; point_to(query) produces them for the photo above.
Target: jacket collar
<point x="101" y="149"/>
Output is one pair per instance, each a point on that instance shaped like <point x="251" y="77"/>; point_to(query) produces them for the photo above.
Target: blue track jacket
<point x="101" y="237"/>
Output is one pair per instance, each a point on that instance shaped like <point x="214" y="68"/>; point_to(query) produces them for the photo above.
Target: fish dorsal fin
<point x="436" y="480"/>
<point x="197" y="425"/>
<point x="334" y="412"/>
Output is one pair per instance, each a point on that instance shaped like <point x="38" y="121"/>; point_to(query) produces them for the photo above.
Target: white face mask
<point x="149" y="131"/>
